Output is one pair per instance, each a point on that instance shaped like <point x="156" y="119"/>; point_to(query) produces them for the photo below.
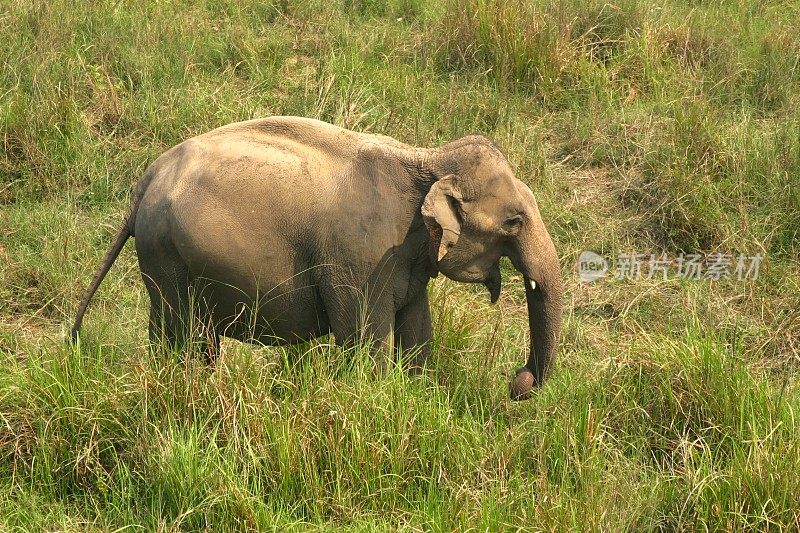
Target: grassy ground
<point x="654" y="128"/>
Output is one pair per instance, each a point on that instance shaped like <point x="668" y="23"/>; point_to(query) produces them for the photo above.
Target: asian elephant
<point x="288" y="228"/>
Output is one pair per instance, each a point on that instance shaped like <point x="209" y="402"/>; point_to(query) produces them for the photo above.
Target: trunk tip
<point x="520" y="387"/>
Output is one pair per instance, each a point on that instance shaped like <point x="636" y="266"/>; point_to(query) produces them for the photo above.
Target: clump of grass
<point x="403" y="9"/>
<point x="540" y="48"/>
<point x="705" y="179"/>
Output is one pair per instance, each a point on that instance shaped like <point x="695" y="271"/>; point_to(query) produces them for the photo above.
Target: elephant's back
<point x="271" y="162"/>
<point x="302" y="137"/>
<point x="254" y="195"/>
<point x="234" y="200"/>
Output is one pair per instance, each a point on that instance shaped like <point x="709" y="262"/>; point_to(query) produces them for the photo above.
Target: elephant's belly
<point x="273" y="315"/>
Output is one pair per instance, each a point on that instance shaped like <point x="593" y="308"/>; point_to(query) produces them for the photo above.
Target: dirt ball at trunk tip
<point x="520" y="387"/>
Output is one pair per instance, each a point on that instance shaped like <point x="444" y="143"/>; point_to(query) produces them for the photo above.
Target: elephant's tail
<point x="124" y="233"/>
<point x="119" y="241"/>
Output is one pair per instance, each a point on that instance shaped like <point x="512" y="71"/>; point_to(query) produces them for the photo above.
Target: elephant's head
<point x="477" y="212"/>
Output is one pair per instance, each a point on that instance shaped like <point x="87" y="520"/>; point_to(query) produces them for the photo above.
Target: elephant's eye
<point x="512" y="223"/>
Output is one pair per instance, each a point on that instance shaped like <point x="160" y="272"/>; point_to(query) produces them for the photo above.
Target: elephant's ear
<point x="441" y="216"/>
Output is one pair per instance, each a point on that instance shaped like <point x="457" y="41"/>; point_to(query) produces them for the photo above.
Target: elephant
<point x="286" y="229"/>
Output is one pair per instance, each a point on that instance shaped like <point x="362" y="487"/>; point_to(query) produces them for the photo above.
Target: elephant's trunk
<point x="537" y="260"/>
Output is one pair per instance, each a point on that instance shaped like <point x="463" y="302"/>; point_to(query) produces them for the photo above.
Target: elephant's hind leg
<point x="169" y="312"/>
<point x="177" y="322"/>
<point x="209" y="343"/>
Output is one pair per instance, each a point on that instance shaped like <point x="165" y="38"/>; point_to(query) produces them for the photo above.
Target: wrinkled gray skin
<point x="286" y="228"/>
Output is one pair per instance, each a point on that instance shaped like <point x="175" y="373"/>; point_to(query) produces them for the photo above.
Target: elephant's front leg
<point x="413" y="331"/>
<point x="358" y="317"/>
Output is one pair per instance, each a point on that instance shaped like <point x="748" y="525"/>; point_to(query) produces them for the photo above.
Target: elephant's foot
<point x="520" y="387"/>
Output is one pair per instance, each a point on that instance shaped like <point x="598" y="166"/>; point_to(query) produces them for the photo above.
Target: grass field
<point x="665" y="127"/>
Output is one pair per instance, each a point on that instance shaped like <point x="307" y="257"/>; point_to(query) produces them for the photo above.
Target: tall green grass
<point x="673" y="434"/>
